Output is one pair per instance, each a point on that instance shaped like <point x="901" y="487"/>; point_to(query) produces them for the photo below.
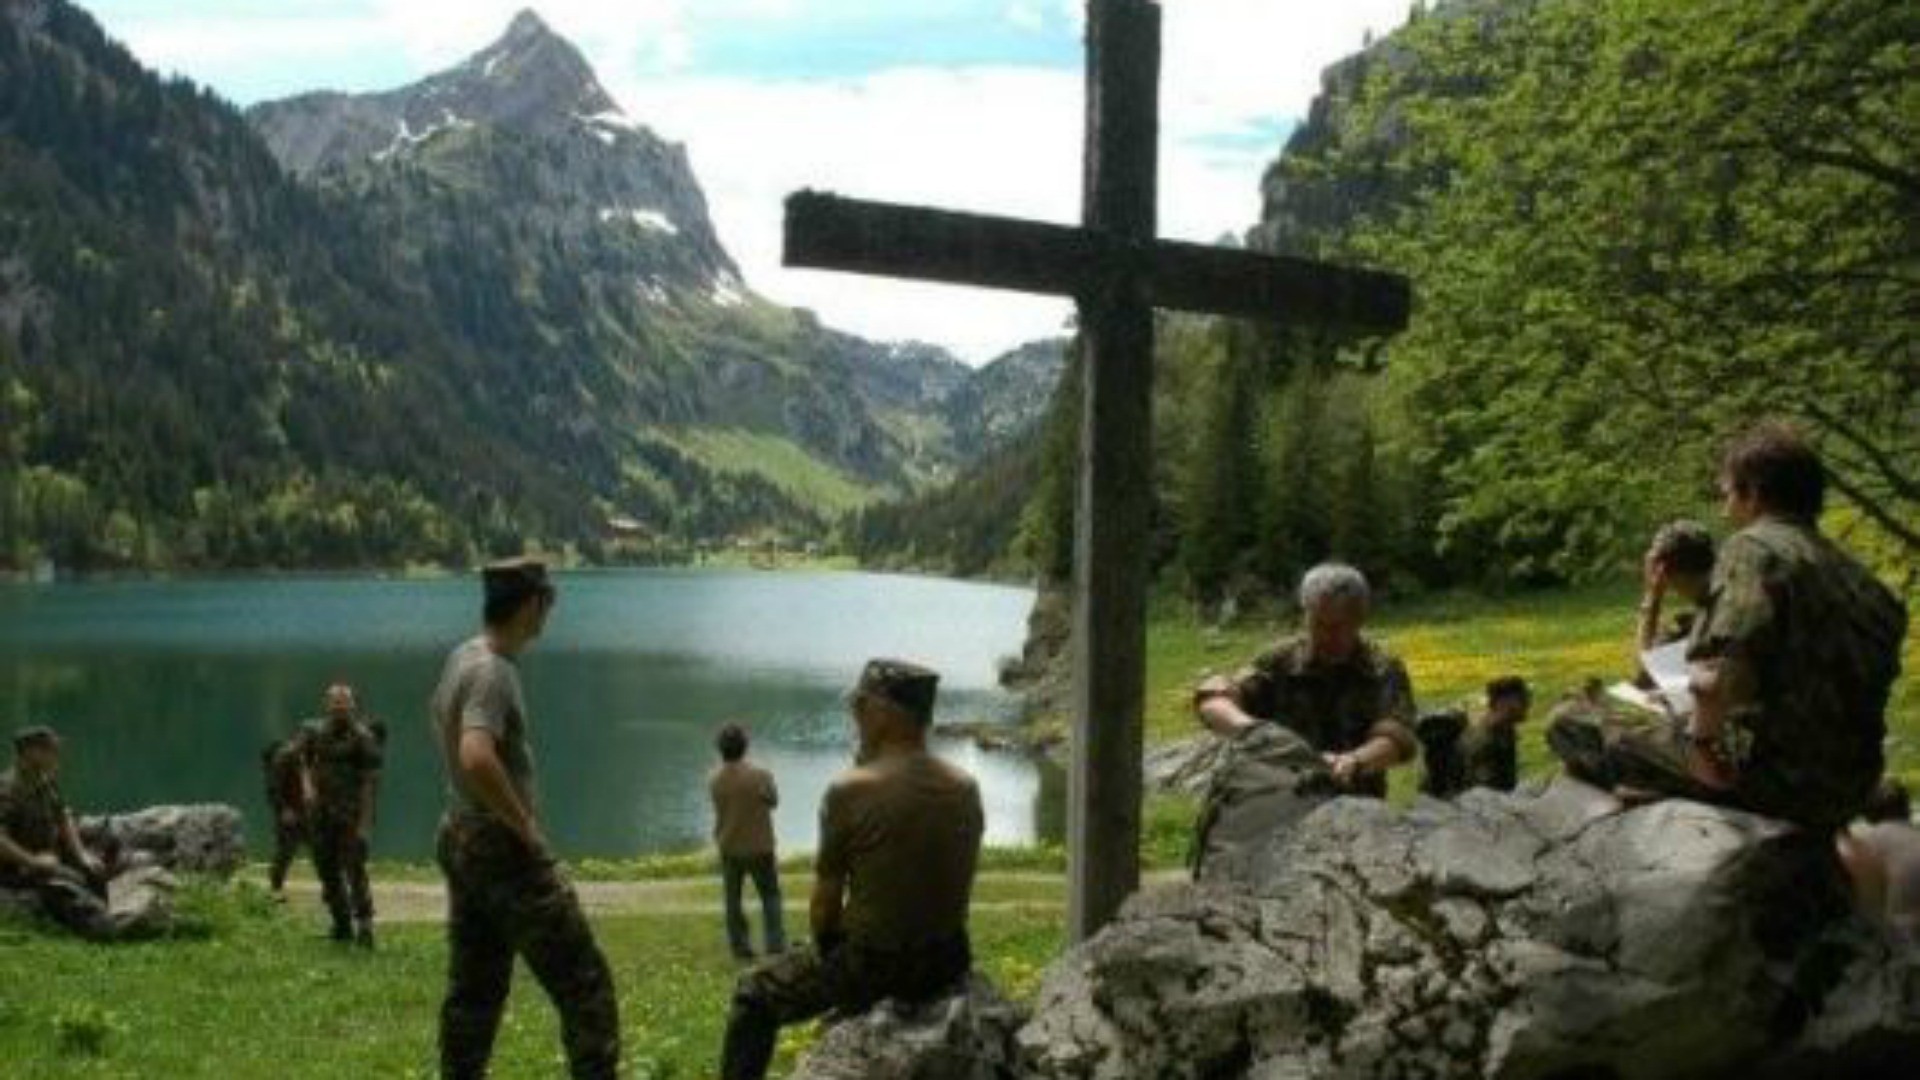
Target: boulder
<point x="965" y="1036"/>
<point x="1184" y="767"/>
<point x="140" y="901"/>
<point x="1539" y="935"/>
<point x="202" y="839"/>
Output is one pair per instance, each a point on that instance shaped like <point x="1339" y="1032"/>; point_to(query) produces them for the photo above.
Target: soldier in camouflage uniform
<point x="1468" y="747"/>
<point x="1793" y="662"/>
<point x="41" y="850"/>
<point x="1489" y="749"/>
<point x="506" y="894"/>
<point x="284" y="765"/>
<point x="1345" y="695"/>
<point x="341" y="772"/>
<point x="899" y="841"/>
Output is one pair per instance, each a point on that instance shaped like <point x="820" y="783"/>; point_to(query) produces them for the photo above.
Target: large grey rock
<point x="1184" y="767"/>
<point x="201" y="839"/>
<point x="966" y="1036"/>
<point x="141" y="901"/>
<point x="1531" y="936"/>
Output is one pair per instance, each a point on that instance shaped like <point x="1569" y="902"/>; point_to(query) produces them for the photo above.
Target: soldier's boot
<point x="752" y="1031"/>
<point x="364" y="936"/>
<point x="342" y="932"/>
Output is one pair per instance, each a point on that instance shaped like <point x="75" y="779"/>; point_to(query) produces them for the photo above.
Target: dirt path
<point x="426" y="901"/>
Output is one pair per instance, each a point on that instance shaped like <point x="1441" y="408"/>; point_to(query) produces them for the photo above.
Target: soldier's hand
<point x="1709" y="766"/>
<point x="1343" y="766"/>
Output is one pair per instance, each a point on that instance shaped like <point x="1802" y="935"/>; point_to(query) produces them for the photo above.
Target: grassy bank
<point x="258" y="994"/>
<point x="1453" y="645"/>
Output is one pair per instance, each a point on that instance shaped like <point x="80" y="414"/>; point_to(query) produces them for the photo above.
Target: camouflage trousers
<point x="287" y="839"/>
<point x="77" y="902"/>
<point x="1613" y="747"/>
<point x="340" y="861"/>
<point x="849" y="978"/>
<point x="504" y="901"/>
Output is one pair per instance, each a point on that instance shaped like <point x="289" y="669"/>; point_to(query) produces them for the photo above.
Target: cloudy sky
<point x="970" y="104"/>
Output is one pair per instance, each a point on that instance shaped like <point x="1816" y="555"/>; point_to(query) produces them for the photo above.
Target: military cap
<point x="907" y="685"/>
<point x="36" y="735"/>
<point x="514" y="579"/>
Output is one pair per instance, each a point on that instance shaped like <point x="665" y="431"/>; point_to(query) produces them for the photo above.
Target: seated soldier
<point x="1345" y="695"/>
<point x="40" y="849"/>
<point x="1882" y="856"/>
<point x="899" y="839"/>
<point x="1791" y="663"/>
<point x="1680" y="560"/>
<point x="1489" y="752"/>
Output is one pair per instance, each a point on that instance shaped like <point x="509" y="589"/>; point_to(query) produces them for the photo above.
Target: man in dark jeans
<point x="744" y="796"/>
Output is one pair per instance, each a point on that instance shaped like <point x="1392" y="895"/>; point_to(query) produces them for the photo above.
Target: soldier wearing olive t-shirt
<point x="899" y="840"/>
<point x="506" y="894"/>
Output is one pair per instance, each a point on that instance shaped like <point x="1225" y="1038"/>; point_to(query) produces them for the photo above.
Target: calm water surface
<point x="167" y="691"/>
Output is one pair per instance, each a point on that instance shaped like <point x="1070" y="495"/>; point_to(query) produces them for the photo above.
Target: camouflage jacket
<point x="1820" y="637"/>
<point x="31" y="811"/>
<point x="281" y="763"/>
<point x="1334" y="707"/>
<point x="340" y="761"/>
<point x="1490" y="756"/>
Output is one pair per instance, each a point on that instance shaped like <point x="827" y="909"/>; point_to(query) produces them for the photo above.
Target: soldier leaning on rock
<point x="40" y="849"/>
<point x="1346" y="696"/>
<point x="506" y="894"/>
<point x="340" y="775"/>
<point x="899" y="842"/>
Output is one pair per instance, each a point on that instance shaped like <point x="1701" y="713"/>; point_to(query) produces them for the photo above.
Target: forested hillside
<point x="1632" y="227"/>
<point x="483" y="312"/>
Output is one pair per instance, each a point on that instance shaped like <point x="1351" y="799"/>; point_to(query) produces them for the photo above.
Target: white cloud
<point x="1001" y="140"/>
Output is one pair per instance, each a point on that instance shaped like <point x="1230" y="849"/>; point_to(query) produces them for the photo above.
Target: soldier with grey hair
<point x="1343" y="693"/>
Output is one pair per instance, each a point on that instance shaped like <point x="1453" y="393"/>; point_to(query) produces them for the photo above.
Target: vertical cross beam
<point x="1114" y="495"/>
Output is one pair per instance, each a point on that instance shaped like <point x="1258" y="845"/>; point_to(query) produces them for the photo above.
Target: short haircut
<point x="499" y="610"/>
<point x="1772" y="463"/>
<point x="731" y="742"/>
<point x="1685" y="547"/>
<point x="1333" y="581"/>
<point x="1889" y="802"/>
<point x="1509" y="686"/>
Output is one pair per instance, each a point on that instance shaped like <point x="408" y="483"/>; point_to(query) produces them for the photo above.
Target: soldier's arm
<point x="1390" y="740"/>
<point x="35" y="863"/>
<point x="829" y="896"/>
<point x="70" y="840"/>
<point x="369" y="791"/>
<point x="485" y="776"/>
<point x="1217" y="704"/>
<point x="830" y="868"/>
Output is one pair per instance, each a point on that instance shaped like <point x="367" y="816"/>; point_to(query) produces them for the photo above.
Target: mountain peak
<point x="527" y="24"/>
<point x="543" y="68"/>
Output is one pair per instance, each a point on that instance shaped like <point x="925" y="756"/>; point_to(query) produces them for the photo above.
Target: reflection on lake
<point x="167" y="691"/>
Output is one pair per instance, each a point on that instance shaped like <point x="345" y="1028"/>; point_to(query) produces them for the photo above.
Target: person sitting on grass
<point x="899" y="843"/>
<point x="40" y="849"/>
<point x="1344" y="694"/>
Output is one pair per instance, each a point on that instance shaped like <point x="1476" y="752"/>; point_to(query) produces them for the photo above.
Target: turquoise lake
<point x="166" y="691"/>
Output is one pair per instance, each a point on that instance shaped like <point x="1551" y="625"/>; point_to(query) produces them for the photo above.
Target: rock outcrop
<point x="1547" y="935"/>
<point x="966" y="1036"/>
<point x="203" y="839"/>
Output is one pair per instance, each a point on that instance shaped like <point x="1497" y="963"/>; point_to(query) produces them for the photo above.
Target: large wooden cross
<point x="1118" y="273"/>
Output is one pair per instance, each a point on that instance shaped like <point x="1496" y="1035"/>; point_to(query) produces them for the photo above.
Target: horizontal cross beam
<point x="830" y="232"/>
